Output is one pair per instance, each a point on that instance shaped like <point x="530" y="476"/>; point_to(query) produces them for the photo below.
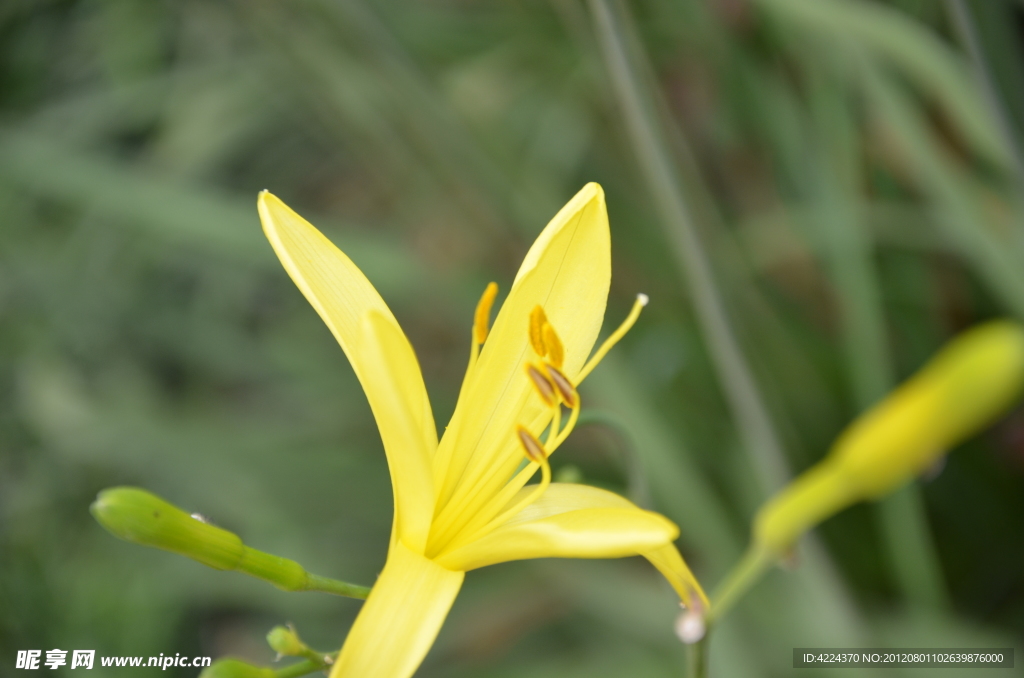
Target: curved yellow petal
<point x="393" y="391"/>
<point x="567" y="272"/>
<point x="400" y="619"/>
<point x="568" y="521"/>
<point x="670" y="563"/>
<point x="343" y="297"/>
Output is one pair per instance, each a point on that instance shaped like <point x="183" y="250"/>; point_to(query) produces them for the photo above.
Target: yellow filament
<point x="574" y="416"/>
<point x="627" y="324"/>
<point x="539" y="456"/>
<point x="505" y="494"/>
<point x="556" y="423"/>
<point x="556" y="353"/>
<point x="482" y="317"/>
<point x="537" y="322"/>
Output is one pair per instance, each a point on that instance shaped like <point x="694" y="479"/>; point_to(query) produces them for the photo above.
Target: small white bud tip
<point x="643" y="299"/>
<point x="690" y="627"/>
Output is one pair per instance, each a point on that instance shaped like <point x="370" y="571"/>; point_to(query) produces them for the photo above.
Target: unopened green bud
<point x="234" y="668"/>
<point x="969" y="383"/>
<point x="144" y="518"/>
<point x="285" y="641"/>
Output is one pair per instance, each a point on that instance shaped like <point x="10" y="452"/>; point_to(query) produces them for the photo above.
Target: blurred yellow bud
<point x="233" y="668"/>
<point x="285" y="641"/>
<point x="144" y="518"/>
<point x="969" y="383"/>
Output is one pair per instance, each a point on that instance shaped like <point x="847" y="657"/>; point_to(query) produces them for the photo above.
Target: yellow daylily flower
<point x="463" y="502"/>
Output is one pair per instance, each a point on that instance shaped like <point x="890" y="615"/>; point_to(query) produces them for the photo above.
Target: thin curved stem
<point x="740" y="579"/>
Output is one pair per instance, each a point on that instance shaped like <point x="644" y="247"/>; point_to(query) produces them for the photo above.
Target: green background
<point x="852" y="170"/>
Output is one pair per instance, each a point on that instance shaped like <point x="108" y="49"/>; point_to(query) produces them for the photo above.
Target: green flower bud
<point x="285" y="641"/>
<point x="233" y="668"/>
<point x="971" y="381"/>
<point x="144" y="518"/>
<point x="141" y="517"/>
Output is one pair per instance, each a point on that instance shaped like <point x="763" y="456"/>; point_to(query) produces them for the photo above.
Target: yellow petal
<point x="568" y="521"/>
<point x="567" y="272"/>
<point x="400" y="619"/>
<point x="393" y="391"/>
<point x="343" y="297"/>
<point x="670" y="563"/>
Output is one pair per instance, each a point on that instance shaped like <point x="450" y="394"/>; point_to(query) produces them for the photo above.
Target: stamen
<point x="537" y="322"/>
<point x="544" y="385"/>
<point x="556" y="354"/>
<point x="536" y="453"/>
<point x="564" y="386"/>
<point x="482" y="317"/>
<point x="638" y="305"/>
<point x="574" y="416"/>
<point x="533" y="448"/>
<point x="554" y="429"/>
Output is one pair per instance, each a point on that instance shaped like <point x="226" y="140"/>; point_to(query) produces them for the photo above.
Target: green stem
<point x="299" y="669"/>
<point x="304" y="667"/>
<point x="740" y="579"/>
<point x="341" y="588"/>
<point x="697" y="657"/>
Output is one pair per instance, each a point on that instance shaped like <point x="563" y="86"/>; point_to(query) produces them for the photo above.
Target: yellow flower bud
<point x="971" y="381"/>
<point x="233" y="668"/>
<point x="144" y="518"/>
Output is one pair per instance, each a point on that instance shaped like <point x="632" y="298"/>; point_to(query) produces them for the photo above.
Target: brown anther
<point x="482" y="317"/>
<point x="545" y="387"/>
<point x="556" y="354"/>
<point x="534" y="450"/>
<point x="537" y="322"/>
<point x="564" y="386"/>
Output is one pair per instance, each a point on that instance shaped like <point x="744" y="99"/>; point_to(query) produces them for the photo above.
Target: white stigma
<point x="643" y="299"/>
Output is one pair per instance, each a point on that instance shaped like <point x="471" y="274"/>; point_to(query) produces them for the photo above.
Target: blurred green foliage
<point x="850" y="167"/>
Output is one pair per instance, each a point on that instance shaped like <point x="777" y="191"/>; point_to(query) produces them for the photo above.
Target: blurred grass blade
<point x="995" y="260"/>
<point x="638" y="104"/>
<point x="989" y="33"/>
<point x="926" y="60"/>
<point x="849" y="250"/>
<point x="680" y="488"/>
<point x="213" y="222"/>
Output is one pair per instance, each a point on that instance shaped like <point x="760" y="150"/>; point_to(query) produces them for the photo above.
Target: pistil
<point x="627" y="324"/>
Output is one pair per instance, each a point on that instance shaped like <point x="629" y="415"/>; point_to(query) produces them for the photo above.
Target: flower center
<point x="557" y="391"/>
